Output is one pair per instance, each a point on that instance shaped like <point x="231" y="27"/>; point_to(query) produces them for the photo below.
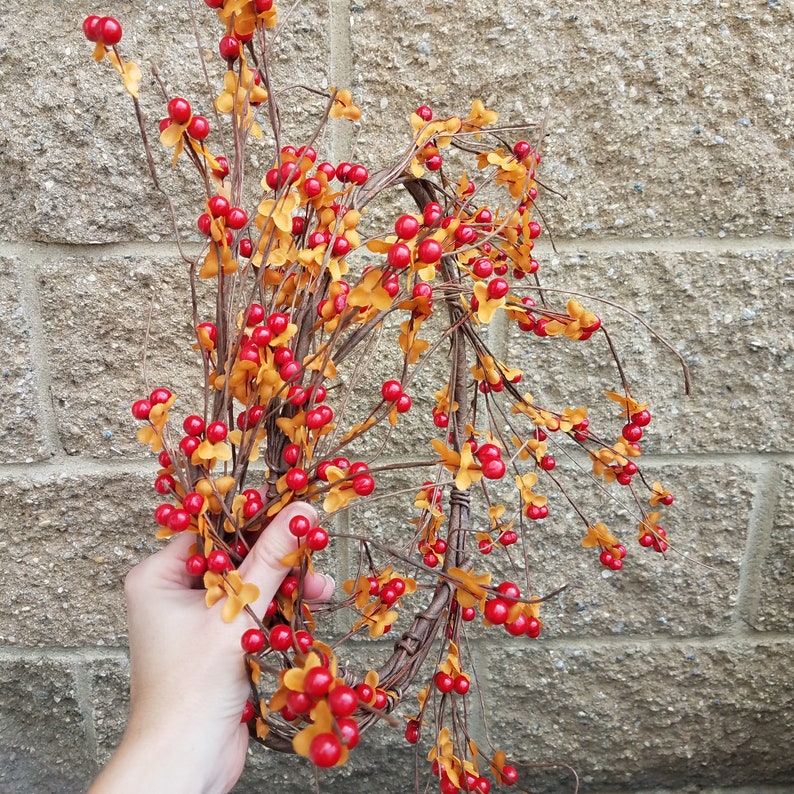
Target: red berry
<point x="296" y="479"/>
<point x="432" y="213"/>
<point x="508" y="537"/>
<point x="363" y="484"/>
<point x="236" y="218"/>
<point x="518" y="626"/>
<point x="434" y="162"/>
<point x="468" y="613"/>
<point x="179" y="110"/>
<point x="547" y="463"/>
<point x="278" y="322"/>
<point x="229" y="48"/>
<point x="488" y="452"/>
<point x="288" y="585"/>
<point x="461" y="684"/>
<point x="317" y="681"/>
<point x="631" y="432"/>
<point x="218" y="561"/>
<point x="280" y="638"/>
<point x="317" y="538"/>
<point x="141" y="409"/>
<point x="164" y="484"/>
<point x="494" y="469"/>
<point x="429" y="251"/>
<point x="497" y="288"/>
<point x="193" y="425"/>
<point x="482" y="267"/>
<point x="179" y="520"/>
<point x="303" y="640"/>
<point x="218" y="206"/>
<point x="406" y="227"/>
<point x="252" y="641"/>
<point x="342" y="700"/>
<point x="496" y="610"/>
<point x="534" y="230"/>
<point x="424" y="112"/>
<point x="348" y="727"/>
<point x="358" y="175"/>
<point x="509" y="775"/>
<point x="159" y="396"/>
<point x="641" y="418"/>
<point x="196" y="564"/>
<point x="340" y="247"/>
<point x="443" y="682"/>
<point x="109" y="31"/>
<point x="365" y="693"/>
<point x="342" y="170"/>
<point x="412" y="732"/>
<point x="199" y="128"/>
<point x="521" y="149"/>
<point x="188" y="445"/>
<point x="216" y="432"/>
<point x="399" y="256"/>
<point x="193" y="502"/>
<point x="391" y="390"/>
<point x="162" y="513"/>
<point x="299" y="702"/>
<point x="248" y="712"/>
<point x="91" y="27"/>
<point x="403" y="403"/>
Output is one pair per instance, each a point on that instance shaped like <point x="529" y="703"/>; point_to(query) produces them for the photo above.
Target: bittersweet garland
<point x="297" y="308"/>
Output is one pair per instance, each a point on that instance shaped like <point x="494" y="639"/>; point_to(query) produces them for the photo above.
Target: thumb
<point x="262" y="566"/>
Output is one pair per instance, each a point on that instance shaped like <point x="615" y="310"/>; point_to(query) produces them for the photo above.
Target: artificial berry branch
<point x="307" y="298"/>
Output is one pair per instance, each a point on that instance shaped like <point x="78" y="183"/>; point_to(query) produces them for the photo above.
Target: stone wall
<point x="670" y="131"/>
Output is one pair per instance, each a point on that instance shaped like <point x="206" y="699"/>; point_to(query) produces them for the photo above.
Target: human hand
<point x="188" y="681"/>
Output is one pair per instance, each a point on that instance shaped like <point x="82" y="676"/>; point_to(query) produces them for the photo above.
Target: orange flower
<point x="343" y="107"/>
<point x="599" y="535"/>
<point x="469" y="587"/>
<point x="479" y="117"/>
<point x="238" y="593"/>
<point x="630" y="405"/>
<point x="463" y="465"/>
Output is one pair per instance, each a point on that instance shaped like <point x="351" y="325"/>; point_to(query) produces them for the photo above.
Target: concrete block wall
<point x="670" y="130"/>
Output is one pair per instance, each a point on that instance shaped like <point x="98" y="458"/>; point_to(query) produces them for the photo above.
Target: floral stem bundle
<point x="322" y="336"/>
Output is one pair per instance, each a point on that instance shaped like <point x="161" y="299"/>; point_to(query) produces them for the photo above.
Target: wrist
<point x="162" y="759"/>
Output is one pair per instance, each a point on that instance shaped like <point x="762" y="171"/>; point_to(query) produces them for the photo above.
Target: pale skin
<point x="188" y="681"/>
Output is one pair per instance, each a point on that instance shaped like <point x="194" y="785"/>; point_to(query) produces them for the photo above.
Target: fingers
<point x="164" y="570"/>
<point x="318" y="587"/>
<point x="262" y="566"/>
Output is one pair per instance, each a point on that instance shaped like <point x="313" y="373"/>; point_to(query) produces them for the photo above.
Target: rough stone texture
<point x="104" y="351"/>
<point x="44" y="747"/>
<point x="669" y="127"/>
<point x="609" y="711"/>
<point x="698" y="301"/>
<point x="20" y="423"/>
<point x="84" y="174"/>
<point x="661" y="119"/>
<point x="109" y="682"/>
<point x="72" y="539"/>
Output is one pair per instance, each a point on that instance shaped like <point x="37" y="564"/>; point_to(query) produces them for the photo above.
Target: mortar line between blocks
<point x="86" y="706"/>
<point x="41" y="373"/>
<point x="341" y="74"/>
<point x="759" y="534"/>
<point x="340" y="69"/>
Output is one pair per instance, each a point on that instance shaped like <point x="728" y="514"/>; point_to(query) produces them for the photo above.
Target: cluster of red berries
<point x="469" y="782"/>
<point x="180" y="112"/>
<point x="102" y="30"/>
<point x="498" y="611"/>
<point x="657" y="540"/>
